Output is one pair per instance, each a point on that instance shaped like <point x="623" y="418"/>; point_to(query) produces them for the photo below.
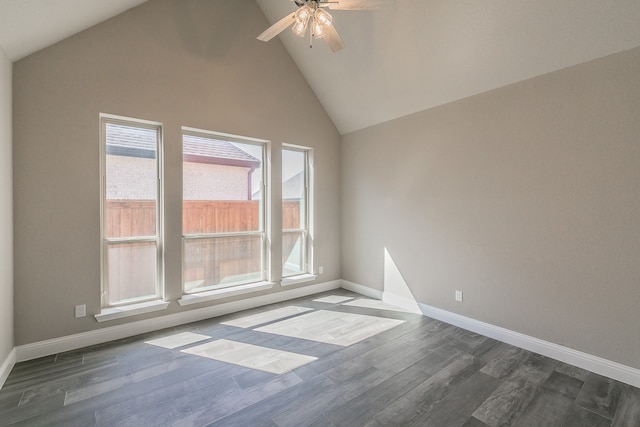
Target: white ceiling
<point x="30" y="25"/>
<point x="424" y="53"/>
<point x="417" y="55"/>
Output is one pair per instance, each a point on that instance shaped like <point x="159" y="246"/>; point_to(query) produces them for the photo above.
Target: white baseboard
<point x="587" y="361"/>
<point x="402" y="302"/>
<point x="607" y="368"/>
<point x="362" y="290"/>
<point x="98" y="336"/>
<point x="7" y="366"/>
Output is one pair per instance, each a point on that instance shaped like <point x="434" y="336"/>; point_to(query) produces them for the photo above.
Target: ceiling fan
<point x="311" y="14"/>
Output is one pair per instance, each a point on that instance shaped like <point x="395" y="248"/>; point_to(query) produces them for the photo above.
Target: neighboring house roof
<point x="139" y="142"/>
<point x="292" y="188"/>
<point x="198" y="149"/>
<point x="130" y="141"/>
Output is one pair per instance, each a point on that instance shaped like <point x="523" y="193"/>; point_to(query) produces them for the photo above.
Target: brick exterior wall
<point x="131" y="178"/>
<point x="202" y="181"/>
<point x="134" y="178"/>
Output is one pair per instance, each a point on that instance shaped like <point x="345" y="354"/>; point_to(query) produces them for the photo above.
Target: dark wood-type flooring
<point x="420" y="373"/>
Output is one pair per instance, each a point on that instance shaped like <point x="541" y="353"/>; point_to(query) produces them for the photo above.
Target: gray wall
<point x="6" y="211"/>
<point x="181" y="62"/>
<point x="527" y="198"/>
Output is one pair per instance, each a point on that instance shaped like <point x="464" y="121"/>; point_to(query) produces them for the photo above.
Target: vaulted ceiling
<point x="414" y="56"/>
<point x="30" y="25"/>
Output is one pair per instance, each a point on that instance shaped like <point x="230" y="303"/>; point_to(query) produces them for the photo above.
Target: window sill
<point x="294" y="280"/>
<point x="113" y="313"/>
<point x="224" y="293"/>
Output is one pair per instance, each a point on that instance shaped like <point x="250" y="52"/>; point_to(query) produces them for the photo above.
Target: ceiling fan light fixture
<point x="312" y="13"/>
<point x="303" y="14"/>
<point x="317" y="29"/>
<point x="323" y="17"/>
<point x="300" y="28"/>
<point x="321" y="21"/>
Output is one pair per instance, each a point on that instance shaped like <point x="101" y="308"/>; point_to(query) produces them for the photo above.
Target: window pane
<point x="131" y="181"/>
<point x="293" y="255"/>
<point x="210" y="216"/>
<point x="222" y="186"/>
<point x="132" y="269"/>
<point x="220" y="262"/>
<point x="294" y="212"/>
<point x="293" y="189"/>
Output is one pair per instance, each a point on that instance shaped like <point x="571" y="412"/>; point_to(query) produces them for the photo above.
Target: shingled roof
<point x="130" y="141"/>
<point x="199" y="149"/>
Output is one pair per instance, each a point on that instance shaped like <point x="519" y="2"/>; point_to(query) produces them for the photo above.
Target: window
<point x="131" y="220"/>
<point x="223" y="214"/>
<point x="296" y="178"/>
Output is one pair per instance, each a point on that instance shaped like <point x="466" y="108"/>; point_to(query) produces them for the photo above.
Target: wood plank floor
<point x="332" y="359"/>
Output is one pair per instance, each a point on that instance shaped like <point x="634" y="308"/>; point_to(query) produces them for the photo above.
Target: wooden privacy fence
<point x="207" y="262"/>
<point x="221" y="260"/>
<point x="290" y="214"/>
<point x="202" y="217"/>
<point x="130" y="218"/>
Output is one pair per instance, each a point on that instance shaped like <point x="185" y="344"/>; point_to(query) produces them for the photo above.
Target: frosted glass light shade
<point x="303" y="14"/>
<point x="321" y="20"/>
<point x="299" y="28"/>
<point x="323" y="17"/>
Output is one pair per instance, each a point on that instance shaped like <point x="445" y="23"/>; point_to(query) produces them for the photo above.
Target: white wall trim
<point x="98" y="336"/>
<point x="114" y="313"/>
<point x="215" y="294"/>
<point x="607" y="368"/>
<point x="7" y="366"/>
<point x="362" y="290"/>
<point x="296" y="280"/>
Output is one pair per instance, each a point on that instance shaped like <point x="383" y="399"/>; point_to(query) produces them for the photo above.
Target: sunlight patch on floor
<point x="333" y="299"/>
<point x="265" y="317"/>
<point x="332" y="327"/>
<point x="178" y="340"/>
<point x="251" y="356"/>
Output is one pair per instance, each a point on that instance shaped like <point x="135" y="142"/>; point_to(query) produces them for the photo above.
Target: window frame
<point x="158" y="238"/>
<point x="307" y="230"/>
<point x="264" y="209"/>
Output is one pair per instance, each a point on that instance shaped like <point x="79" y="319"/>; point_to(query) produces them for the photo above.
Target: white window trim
<point x="295" y="280"/>
<point x="265" y="233"/>
<point x="131" y="306"/>
<point x="309" y="217"/>
<point x="113" y="313"/>
<point x="195" y="298"/>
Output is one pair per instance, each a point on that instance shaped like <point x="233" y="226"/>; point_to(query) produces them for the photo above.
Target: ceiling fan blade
<point x="333" y="39"/>
<point x="357" y="4"/>
<point x="277" y="28"/>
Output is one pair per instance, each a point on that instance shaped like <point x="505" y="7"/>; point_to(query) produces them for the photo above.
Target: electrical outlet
<point x="320" y="270"/>
<point x="459" y="296"/>
<point x="81" y="311"/>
